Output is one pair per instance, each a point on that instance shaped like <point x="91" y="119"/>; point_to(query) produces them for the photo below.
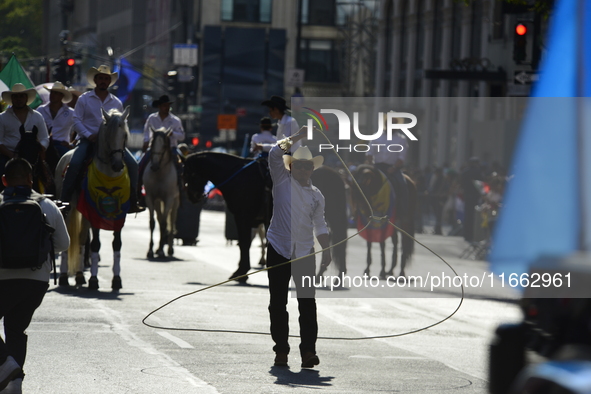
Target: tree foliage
<point x="21" y="27"/>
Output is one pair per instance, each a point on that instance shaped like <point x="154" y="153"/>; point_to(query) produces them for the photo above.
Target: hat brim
<point x="271" y="103"/>
<point x="31" y="95"/>
<point x="67" y="94"/>
<point x="93" y="71"/>
<point x="317" y="161"/>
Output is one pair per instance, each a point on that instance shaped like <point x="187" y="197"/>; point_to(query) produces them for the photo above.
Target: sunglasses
<point x="303" y="165"/>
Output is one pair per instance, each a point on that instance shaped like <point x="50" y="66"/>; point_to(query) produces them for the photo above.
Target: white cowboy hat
<point x="19" y="88"/>
<point x="60" y="88"/>
<point x="101" y="70"/>
<point x="303" y="154"/>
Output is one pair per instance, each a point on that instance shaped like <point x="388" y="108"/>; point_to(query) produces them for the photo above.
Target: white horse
<point x="108" y="162"/>
<point x="162" y="192"/>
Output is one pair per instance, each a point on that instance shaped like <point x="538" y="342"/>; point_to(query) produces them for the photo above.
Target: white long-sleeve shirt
<point x="61" y="242"/>
<point x="171" y="121"/>
<point x="286" y="127"/>
<point x="10" y="125"/>
<point x="61" y="125"/>
<point x="298" y="211"/>
<point x="87" y="114"/>
<point x="266" y="138"/>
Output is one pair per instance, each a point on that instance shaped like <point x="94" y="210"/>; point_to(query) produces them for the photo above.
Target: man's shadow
<point x="305" y="377"/>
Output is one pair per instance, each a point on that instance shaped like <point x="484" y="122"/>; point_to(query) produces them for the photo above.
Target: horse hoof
<point x="150" y="255"/>
<point x="80" y="280"/>
<point x="93" y="283"/>
<point x="116" y="283"/>
<point x="383" y="275"/>
<point x="170" y="252"/>
<point x="160" y="254"/>
<point x="63" y="281"/>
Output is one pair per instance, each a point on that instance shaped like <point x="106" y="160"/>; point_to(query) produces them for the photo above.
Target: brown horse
<point x="372" y="183"/>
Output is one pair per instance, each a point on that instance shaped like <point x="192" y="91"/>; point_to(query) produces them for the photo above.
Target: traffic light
<point x="520" y="34"/>
<point x="195" y="141"/>
<point x="59" y="71"/>
<point x="174" y="87"/>
<point x="70" y="70"/>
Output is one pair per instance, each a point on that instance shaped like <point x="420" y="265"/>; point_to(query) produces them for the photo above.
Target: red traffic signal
<point x="520" y="29"/>
<point x="208" y="144"/>
<point x="195" y="141"/>
<point x="70" y="62"/>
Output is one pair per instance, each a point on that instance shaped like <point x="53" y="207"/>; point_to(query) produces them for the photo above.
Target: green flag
<point x="13" y="73"/>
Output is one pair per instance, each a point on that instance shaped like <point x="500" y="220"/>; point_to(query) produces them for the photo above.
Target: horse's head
<point x="29" y="147"/>
<point x="194" y="177"/>
<point x="113" y="136"/>
<point x="160" y="148"/>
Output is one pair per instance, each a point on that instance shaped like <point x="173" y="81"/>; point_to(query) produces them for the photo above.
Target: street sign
<point x="295" y="77"/>
<point x="525" y="77"/>
<point x="185" y="54"/>
<point x="241" y="111"/>
<point x="184" y="74"/>
<point x="227" y="122"/>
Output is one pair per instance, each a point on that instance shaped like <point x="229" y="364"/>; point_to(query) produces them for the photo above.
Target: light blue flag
<point x="128" y="77"/>
<point x="541" y="215"/>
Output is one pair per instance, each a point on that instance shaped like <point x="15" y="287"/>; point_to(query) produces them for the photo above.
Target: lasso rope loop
<point x="371" y="216"/>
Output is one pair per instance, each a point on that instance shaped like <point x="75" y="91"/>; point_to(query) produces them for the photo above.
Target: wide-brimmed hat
<point x="102" y="69"/>
<point x="60" y="88"/>
<point x="162" y="100"/>
<point x="303" y="154"/>
<point x="18" y="88"/>
<point x="276" y="102"/>
<point x="266" y="121"/>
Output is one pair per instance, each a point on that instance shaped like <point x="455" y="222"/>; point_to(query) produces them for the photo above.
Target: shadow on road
<point x="84" y="292"/>
<point x="306" y="377"/>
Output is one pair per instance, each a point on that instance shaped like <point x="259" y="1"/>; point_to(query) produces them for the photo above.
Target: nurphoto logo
<point x="389" y="126"/>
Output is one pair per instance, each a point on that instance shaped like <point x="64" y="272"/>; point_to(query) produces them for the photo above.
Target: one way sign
<point x="525" y="77"/>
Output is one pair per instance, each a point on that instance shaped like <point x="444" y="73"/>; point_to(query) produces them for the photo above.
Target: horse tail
<point x="74" y="226"/>
<point x="408" y="243"/>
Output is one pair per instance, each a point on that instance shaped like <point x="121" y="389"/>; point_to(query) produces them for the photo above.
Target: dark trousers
<point x="19" y="298"/>
<point x="279" y="290"/>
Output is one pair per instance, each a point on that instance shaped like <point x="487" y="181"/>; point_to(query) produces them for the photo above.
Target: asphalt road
<point x="95" y="342"/>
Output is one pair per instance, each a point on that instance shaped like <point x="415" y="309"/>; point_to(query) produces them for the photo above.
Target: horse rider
<point x="59" y="117"/>
<point x="264" y="140"/>
<point x="19" y="114"/>
<point x="298" y="215"/>
<point x="286" y="125"/>
<point x="391" y="162"/>
<point x="162" y="118"/>
<point x="87" y="122"/>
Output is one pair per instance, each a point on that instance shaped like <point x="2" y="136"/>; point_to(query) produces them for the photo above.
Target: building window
<point x="403" y="50"/>
<point x="389" y="35"/>
<point x="419" y="50"/>
<point x="257" y="11"/>
<point x="318" y="12"/>
<point x="320" y="60"/>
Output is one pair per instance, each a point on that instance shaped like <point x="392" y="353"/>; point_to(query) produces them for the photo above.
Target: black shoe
<point x="136" y="208"/>
<point x="309" y="360"/>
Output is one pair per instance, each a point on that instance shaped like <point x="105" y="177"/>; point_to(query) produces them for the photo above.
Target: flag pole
<point x="584" y="180"/>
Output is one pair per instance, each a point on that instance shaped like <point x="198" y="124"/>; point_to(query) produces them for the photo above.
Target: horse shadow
<point x="306" y="377"/>
<point x="85" y="292"/>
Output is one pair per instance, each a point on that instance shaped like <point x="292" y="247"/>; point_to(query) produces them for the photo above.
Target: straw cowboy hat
<point x="303" y="154"/>
<point x="162" y="100"/>
<point x="19" y="88"/>
<point x="276" y="102"/>
<point x="60" y="88"/>
<point x="101" y="70"/>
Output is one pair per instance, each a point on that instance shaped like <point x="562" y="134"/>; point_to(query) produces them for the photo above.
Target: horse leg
<point x="152" y="225"/>
<point x="95" y="246"/>
<point x="161" y="217"/>
<point x="171" y="225"/>
<point x="244" y="241"/>
<point x="366" y="272"/>
<point x="116" y="282"/>
<point x="383" y="259"/>
<point x="394" y="254"/>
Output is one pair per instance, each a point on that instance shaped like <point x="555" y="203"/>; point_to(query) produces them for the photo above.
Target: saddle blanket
<point x="382" y="204"/>
<point x="104" y="201"/>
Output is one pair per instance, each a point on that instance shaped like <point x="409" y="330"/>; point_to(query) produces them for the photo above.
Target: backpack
<point x="25" y="235"/>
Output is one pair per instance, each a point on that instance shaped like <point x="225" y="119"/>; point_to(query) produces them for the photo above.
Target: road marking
<point x="182" y="344"/>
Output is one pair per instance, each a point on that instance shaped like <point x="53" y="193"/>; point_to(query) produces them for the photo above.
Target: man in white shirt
<point x="162" y="118"/>
<point x="19" y="114"/>
<point x="87" y="121"/>
<point x="59" y="117"/>
<point x="298" y="215"/>
<point x="264" y="140"/>
<point x="286" y="125"/>
<point x="22" y="289"/>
